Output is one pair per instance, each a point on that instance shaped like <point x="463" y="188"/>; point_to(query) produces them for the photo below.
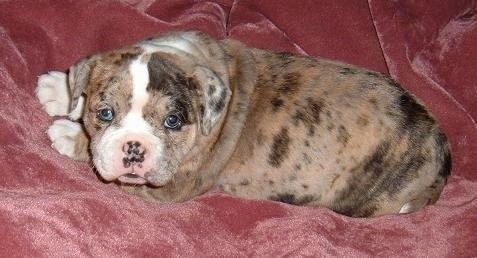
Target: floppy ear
<point x="78" y="77"/>
<point x="215" y="97"/>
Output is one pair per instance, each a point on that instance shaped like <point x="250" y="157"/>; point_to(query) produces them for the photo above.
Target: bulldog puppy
<point x="176" y="115"/>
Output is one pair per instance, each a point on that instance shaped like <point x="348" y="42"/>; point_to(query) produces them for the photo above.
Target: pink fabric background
<point x="50" y="205"/>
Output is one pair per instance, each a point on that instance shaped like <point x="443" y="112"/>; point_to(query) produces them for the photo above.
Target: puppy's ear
<point x="78" y="78"/>
<point x="215" y="95"/>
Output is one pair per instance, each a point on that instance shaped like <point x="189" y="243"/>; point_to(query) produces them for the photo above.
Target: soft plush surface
<point x="51" y="205"/>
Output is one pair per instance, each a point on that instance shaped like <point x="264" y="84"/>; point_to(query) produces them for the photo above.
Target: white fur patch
<point x="406" y="208"/>
<point x="63" y="133"/>
<point x="140" y="79"/>
<point x="54" y="94"/>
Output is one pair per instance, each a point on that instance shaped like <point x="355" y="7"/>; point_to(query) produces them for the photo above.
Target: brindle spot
<point x="124" y="56"/>
<point x="414" y="113"/>
<point x="245" y="182"/>
<point x="280" y="148"/>
<point x="286" y="59"/>
<point x="165" y="77"/>
<point x="374" y="102"/>
<point x="276" y="103"/>
<point x="347" y="71"/>
<point x="362" y="120"/>
<point x="219" y="104"/>
<point x="307" y="143"/>
<point x="307" y="159"/>
<point x="290" y="84"/>
<point x="343" y="135"/>
<point x="211" y="89"/>
<point x="309" y="115"/>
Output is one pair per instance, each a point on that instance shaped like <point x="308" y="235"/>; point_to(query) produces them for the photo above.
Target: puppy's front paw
<point x="53" y="93"/>
<point x="69" y="139"/>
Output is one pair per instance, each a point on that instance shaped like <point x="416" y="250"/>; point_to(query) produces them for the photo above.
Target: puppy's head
<point x="146" y="105"/>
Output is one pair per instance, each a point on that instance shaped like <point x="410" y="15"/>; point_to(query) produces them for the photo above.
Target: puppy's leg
<point x="54" y="94"/>
<point x="69" y="139"/>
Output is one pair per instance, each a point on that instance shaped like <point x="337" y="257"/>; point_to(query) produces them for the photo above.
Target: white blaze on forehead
<point x="139" y="97"/>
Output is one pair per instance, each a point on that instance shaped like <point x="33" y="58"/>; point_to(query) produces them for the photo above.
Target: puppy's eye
<point x="105" y="114"/>
<point x="173" y="122"/>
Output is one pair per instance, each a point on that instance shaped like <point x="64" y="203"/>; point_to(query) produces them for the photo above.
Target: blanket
<point x="53" y="206"/>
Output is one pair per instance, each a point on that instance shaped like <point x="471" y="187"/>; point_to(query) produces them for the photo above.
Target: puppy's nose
<point x="133" y="154"/>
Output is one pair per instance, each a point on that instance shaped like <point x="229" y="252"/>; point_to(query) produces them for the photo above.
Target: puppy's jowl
<point x="176" y="115"/>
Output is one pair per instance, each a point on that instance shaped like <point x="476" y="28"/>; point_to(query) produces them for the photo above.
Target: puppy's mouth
<point x="132" y="179"/>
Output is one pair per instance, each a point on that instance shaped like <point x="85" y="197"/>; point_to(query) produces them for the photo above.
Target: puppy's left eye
<point x="173" y="122"/>
<point x="105" y="114"/>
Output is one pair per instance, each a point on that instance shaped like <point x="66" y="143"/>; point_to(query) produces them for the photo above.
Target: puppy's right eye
<point x="105" y="114"/>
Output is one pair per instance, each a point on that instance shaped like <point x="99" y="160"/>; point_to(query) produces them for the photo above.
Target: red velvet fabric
<point x="51" y="205"/>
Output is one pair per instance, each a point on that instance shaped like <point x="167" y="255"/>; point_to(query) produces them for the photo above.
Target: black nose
<point x="133" y="154"/>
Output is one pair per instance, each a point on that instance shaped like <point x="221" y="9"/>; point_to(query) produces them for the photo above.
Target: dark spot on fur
<point x="286" y="59"/>
<point x="374" y="102"/>
<point x="219" y="104"/>
<point x="347" y="71"/>
<point x="343" y="135"/>
<point x="245" y="182"/>
<point x="210" y="89"/>
<point x="298" y="166"/>
<point x="307" y="143"/>
<point x="292" y="199"/>
<point x="305" y="186"/>
<point x="124" y="57"/>
<point x="414" y="113"/>
<point x="309" y="115"/>
<point x="362" y="120"/>
<point x="129" y="55"/>
<point x="166" y="78"/>
<point x="307" y="159"/>
<point x="270" y="182"/>
<point x="290" y="84"/>
<point x="276" y="104"/>
<point x="280" y="148"/>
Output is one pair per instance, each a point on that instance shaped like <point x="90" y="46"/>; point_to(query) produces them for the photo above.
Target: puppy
<point x="176" y="115"/>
